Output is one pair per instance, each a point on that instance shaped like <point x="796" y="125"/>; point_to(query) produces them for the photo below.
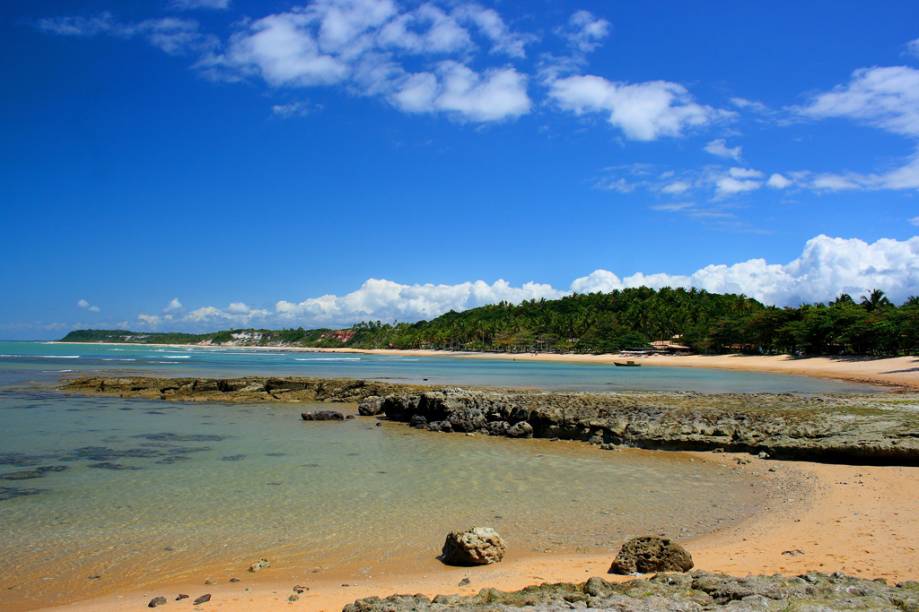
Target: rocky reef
<point x="248" y="389"/>
<point x="664" y="592"/>
<point x="869" y="429"/>
<point x="826" y="428"/>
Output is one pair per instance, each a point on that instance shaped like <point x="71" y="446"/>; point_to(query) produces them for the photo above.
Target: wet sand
<point x="858" y="520"/>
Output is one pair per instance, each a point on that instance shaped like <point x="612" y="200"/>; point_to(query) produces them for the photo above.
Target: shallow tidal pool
<point x="100" y="494"/>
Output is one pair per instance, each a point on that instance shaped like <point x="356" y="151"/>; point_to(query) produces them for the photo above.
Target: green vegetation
<point x="607" y="322"/>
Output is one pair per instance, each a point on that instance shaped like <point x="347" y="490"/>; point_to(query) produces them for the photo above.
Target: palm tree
<point x="875" y="300"/>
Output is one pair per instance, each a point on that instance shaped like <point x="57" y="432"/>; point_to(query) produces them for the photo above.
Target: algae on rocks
<point x="665" y="592"/>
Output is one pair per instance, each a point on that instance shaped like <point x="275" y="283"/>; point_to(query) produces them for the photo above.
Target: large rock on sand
<point x="476" y="546"/>
<point x="650" y="554"/>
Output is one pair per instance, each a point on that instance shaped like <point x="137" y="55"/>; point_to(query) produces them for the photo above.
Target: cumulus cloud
<point x="720" y="148"/>
<point x="492" y="26"/>
<point x="170" y="34"/>
<point x="358" y="44"/>
<point x="454" y="88"/>
<point x="826" y="268"/>
<point x="778" y="181"/>
<point x="643" y="111"/>
<point x="388" y="300"/>
<point x="427" y="29"/>
<point x="584" y="32"/>
<point x="173" y="305"/>
<point x="85" y="305"/>
<point x="737" y="180"/>
<point x="237" y="313"/>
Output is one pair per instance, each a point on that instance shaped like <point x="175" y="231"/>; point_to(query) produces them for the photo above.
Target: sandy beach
<point x="891" y="371"/>
<point x="857" y="520"/>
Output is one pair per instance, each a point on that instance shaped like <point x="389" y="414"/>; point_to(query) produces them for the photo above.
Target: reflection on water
<point x="136" y="492"/>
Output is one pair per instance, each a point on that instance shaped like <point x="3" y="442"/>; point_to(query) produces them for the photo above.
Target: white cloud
<point x="676" y="187"/>
<point x="778" y="181"/>
<point x="427" y="29"/>
<point x="85" y="305"/>
<point x="720" y="148"/>
<point x="902" y="177"/>
<point x="912" y="47"/>
<point x="149" y="320"/>
<point x="236" y="313"/>
<point x="187" y="5"/>
<point x="643" y="111"/>
<point x="356" y="43"/>
<point x="492" y="26"/>
<point x="493" y="95"/>
<point x="884" y="97"/>
<point x="291" y="109"/>
<point x="826" y="268"/>
<point x="915" y="221"/>
<point x="744" y="173"/>
<point x="616" y="184"/>
<point x="387" y="300"/>
<point x="584" y="32"/>
<point x="737" y="180"/>
<point x="750" y="105"/>
<point x="173" y="305"/>
<point x="170" y="34"/>
<point x="282" y="50"/>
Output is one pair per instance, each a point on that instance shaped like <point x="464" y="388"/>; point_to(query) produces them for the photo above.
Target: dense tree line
<point x="632" y="318"/>
<point x="608" y="322"/>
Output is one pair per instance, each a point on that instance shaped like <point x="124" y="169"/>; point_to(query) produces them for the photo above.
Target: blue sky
<point x="200" y="164"/>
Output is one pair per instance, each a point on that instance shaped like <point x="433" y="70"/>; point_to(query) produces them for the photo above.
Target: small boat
<point x="627" y="364"/>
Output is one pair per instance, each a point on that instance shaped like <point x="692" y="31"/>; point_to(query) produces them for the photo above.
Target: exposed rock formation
<point x="370" y="406"/>
<point x="854" y="429"/>
<point x="880" y="428"/>
<point x="650" y="554"/>
<point x="665" y="592"/>
<point x="476" y="546"/>
<point x="322" y="415"/>
<point x="248" y="389"/>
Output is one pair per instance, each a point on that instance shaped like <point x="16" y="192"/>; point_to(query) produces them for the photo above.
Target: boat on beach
<point x="627" y="364"/>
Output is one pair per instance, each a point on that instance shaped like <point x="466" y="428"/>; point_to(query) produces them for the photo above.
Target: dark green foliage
<point x="608" y="322"/>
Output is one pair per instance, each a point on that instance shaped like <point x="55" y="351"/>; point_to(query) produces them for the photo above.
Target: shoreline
<point x="853" y="519"/>
<point x="893" y="372"/>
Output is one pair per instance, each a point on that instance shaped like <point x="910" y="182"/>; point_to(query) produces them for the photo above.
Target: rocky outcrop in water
<point x="880" y="428"/>
<point x="476" y="546"/>
<point x="370" y="406"/>
<point x="666" y="592"/>
<point x="248" y="389"/>
<point x="322" y="415"/>
<point x="650" y="554"/>
<point x="827" y="428"/>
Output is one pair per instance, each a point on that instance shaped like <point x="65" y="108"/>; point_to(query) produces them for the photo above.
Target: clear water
<point x="129" y="493"/>
<point x="152" y="492"/>
<point x="45" y="357"/>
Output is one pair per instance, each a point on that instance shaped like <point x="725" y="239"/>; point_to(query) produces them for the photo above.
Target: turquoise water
<point x="45" y="357"/>
<point x="101" y="495"/>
